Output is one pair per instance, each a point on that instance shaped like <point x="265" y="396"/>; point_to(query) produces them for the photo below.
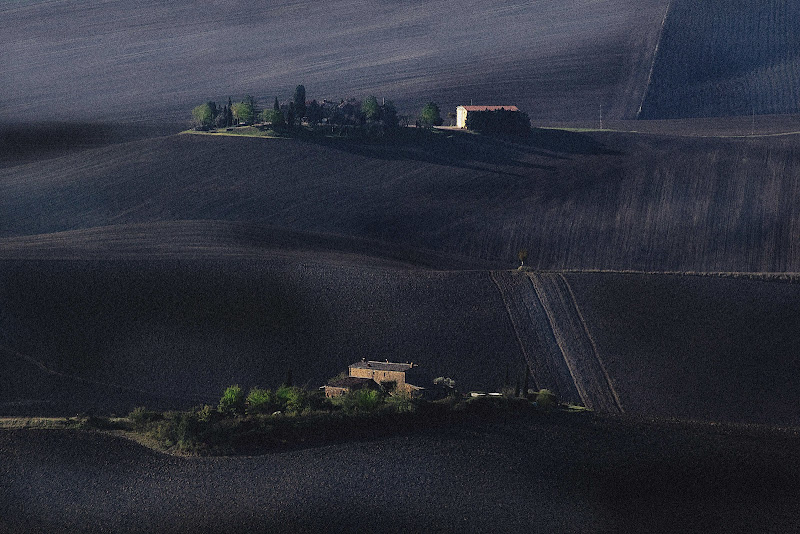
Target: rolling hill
<point x="144" y="61"/>
<point x="651" y="59"/>
<point x="726" y="58"/>
<point x="158" y="271"/>
<point x="597" y="200"/>
<point x="173" y="329"/>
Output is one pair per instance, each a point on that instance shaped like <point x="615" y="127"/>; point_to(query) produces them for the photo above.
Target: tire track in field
<point x="576" y="344"/>
<point x="535" y="335"/>
<point x="75" y="378"/>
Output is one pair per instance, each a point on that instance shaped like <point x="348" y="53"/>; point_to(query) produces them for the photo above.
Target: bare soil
<point x="570" y="473"/>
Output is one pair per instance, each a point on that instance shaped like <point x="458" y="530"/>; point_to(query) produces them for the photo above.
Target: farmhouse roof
<point x="383" y="366"/>
<point x="490" y="108"/>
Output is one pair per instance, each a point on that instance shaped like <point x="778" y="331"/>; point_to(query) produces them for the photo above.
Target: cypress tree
<point x="288" y="382"/>
<point x="525" y="382"/>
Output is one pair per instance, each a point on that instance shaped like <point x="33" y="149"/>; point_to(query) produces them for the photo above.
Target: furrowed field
<point x="726" y="58"/>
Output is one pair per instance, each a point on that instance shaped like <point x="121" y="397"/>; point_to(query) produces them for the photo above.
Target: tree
<point x="288" y="383"/>
<point x="389" y="114"/>
<point x="525" y="381"/>
<point x="300" y="102"/>
<point x="430" y="115"/>
<point x="232" y="401"/>
<point x="243" y="112"/>
<point x="290" y="116"/>
<point x="224" y="118"/>
<point x="251" y="102"/>
<point x="276" y="106"/>
<point x="273" y="117"/>
<point x="371" y="109"/>
<point x="203" y="116"/>
<point x="314" y="113"/>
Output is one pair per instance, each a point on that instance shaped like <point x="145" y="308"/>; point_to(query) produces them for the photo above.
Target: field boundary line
<point x="560" y="341"/>
<point x="593" y="343"/>
<point x="52" y="372"/>
<point x="655" y="56"/>
<point x="513" y="324"/>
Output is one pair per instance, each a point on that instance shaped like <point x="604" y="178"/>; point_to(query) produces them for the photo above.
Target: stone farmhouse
<point x="376" y="375"/>
<point x="463" y="111"/>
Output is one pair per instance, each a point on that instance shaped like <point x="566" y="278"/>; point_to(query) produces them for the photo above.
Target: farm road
<point x="555" y="339"/>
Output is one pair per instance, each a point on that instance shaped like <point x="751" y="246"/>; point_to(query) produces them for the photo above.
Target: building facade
<point x="463" y="111"/>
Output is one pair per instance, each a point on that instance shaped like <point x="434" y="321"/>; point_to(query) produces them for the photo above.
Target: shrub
<point x="181" y="429"/>
<point x="367" y="400"/>
<point x="400" y="401"/>
<point x="207" y="414"/>
<point x="261" y="401"/>
<point x="293" y="400"/>
<point x="141" y="417"/>
<point x="232" y="401"/>
<point x="546" y="399"/>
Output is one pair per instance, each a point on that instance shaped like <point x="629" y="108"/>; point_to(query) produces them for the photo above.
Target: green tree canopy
<point x="203" y="115"/>
<point x="371" y="109"/>
<point x="430" y="115"/>
<point x="243" y="112"/>
<point x="273" y="117"/>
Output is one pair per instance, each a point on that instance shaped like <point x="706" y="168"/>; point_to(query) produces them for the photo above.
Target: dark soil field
<point x="726" y="58"/>
<point x="595" y="200"/>
<point x="143" y="60"/>
<point x="572" y="473"/>
<point x="159" y="271"/>
<point x="143" y="267"/>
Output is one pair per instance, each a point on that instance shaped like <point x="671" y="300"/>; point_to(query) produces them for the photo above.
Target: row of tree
<point x="297" y="111"/>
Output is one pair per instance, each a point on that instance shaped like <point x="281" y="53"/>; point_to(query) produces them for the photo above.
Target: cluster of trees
<point x="298" y="111"/>
<point x="351" y="113"/>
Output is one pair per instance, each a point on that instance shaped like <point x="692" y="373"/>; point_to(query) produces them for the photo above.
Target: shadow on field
<point x="27" y="142"/>
<point x="473" y="151"/>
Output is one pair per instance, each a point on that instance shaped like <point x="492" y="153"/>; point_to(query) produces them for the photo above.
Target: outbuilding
<point x="462" y="112"/>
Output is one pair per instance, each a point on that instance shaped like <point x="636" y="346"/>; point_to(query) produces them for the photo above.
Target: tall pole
<point x="601" y="116"/>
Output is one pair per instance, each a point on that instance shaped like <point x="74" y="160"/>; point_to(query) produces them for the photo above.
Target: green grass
<point x="243" y="131"/>
<point x="207" y="431"/>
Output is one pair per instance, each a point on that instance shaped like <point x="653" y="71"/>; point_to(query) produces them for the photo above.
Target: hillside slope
<point x="728" y="57"/>
<point x="536" y="475"/>
<point x="142" y="60"/>
<point x="106" y="335"/>
<point x="598" y="200"/>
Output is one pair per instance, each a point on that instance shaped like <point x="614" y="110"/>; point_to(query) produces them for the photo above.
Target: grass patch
<point x="291" y="417"/>
<point x="242" y="131"/>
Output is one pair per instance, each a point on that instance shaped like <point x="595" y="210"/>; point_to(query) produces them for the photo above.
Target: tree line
<point x="296" y="112"/>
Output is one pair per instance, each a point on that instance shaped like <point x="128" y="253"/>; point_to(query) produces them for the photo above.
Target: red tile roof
<point x="490" y="108"/>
